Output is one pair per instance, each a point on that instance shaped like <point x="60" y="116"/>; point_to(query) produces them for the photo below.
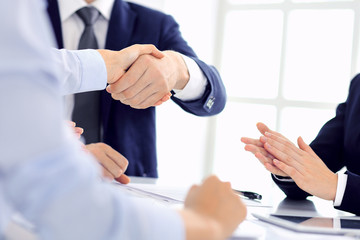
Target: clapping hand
<point x="281" y="157"/>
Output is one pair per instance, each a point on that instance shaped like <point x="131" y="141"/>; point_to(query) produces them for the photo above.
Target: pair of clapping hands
<point x="142" y="76"/>
<point x="281" y="157"/>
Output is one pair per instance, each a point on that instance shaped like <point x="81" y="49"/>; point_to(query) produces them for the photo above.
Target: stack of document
<point x="174" y="196"/>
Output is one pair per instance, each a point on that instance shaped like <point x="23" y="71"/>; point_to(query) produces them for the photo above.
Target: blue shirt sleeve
<point x="80" y="71"/>
<point x="43" y="172"/>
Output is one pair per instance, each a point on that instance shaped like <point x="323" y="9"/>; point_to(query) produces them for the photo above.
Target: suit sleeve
<point x="329" y="143"/>
<point x="291" y="190"/>
<point x="350" y="202"/>
<point x="214" y="98"/>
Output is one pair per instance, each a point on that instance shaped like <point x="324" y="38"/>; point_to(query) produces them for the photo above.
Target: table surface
<point x="251" y="228"/>
<point x="275" y="202"/>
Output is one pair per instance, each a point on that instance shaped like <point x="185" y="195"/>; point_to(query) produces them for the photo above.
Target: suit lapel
<point x="54" y="14"/>
<point x="121" y="26"/>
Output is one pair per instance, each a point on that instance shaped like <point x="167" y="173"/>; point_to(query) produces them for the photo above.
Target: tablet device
<point x="323" y="225"/>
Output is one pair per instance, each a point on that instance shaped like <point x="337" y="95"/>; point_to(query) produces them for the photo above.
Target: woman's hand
<point x="302" y="164"/>
<point x="256" y="147"/>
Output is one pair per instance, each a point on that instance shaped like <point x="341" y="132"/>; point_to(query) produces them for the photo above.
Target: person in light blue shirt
<point x="44" y="174"/>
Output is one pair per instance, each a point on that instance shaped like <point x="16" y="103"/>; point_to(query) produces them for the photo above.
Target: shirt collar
<point x="69" y="7"/>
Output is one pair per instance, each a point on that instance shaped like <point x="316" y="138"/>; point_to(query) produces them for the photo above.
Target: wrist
<point x="182" y="75"/>
<point x="200" y="227"/>
<point x="334" y="187"/>
<point x="112" y="64"/>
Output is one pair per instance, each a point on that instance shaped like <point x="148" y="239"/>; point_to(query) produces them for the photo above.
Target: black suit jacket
<point x="131" y="131"/>
<point x="338" y="145"/>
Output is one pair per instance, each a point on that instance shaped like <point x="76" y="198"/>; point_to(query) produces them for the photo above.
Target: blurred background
<point x="287" y="63"/>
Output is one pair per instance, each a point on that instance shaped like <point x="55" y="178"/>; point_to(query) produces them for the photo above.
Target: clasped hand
<point x="146" y="75"/>
<point x="281" y="157"/>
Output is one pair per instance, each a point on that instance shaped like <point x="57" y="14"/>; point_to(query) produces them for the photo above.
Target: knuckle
<point x="164" y="89"/>
<point x="118" y="172"/>
<point x="101" y="145"/>
<point x="115" y="96"/>
<point x="288" y="144"/>
<point x="134" y="106"/>
<point x="158" y="72"/>
<point x="128" y="94"/>
<point x="141" y="106"/>
<point x="145" y="59"/>
<point x="292" y="171"/>
<point x="135" y="101"/>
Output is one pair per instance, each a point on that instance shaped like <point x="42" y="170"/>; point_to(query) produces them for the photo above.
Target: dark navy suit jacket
<point x="131" y="131"/>
<point x="338" y="145"/>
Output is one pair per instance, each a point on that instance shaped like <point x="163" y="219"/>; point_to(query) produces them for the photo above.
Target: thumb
<point x="262" y="128"/>
<point x="123" y="179"/>
<point x="133" y="52"/>
<point x="303" y="146"/>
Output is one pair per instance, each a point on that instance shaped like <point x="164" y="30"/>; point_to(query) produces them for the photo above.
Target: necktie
<point x="86" y="111"/>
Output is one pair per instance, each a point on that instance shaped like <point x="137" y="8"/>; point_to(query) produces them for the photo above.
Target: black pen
<point x="249" y="195"/>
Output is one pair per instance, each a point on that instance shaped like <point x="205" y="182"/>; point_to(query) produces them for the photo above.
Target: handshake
<point x="142" y="76"/>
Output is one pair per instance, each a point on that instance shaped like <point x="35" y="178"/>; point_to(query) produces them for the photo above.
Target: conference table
<point x="274" y="202"/>
<point x="164" y="194"/>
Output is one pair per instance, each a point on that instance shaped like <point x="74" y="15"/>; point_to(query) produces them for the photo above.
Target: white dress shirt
<point x="340" y="189"/>
<point x="44" y="174"/>
<point x="73" y="26"/>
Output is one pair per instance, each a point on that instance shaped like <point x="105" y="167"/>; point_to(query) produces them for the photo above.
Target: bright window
<point x="318" y="55"/>
<point x="287" y="63"/>
<point x="251" y="66"/>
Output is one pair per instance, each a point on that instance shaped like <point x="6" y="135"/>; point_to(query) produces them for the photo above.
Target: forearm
<point x="80" y="71"/>
<point x="80" y="206"/>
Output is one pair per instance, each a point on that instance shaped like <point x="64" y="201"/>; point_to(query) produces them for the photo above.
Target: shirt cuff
<point x="283" y="179"/>
<point x="340" y="189"/>
<point x="93" y="75"/>
<point x="196" y="86"/>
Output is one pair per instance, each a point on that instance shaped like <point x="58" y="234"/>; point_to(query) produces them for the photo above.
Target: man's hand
<point x="113" y="163"/>
<point x="212" y="210"/>
<point x="77" y="130"/>
<point x="150" y="79"/>
<point x="117" y="62"/>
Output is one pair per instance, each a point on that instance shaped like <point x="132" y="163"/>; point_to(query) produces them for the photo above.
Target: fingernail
<point x="268" y="134"/>
<point x="108" y="89"/>
<point x="275" y="161"/>
<point x="267" y="145"/>
<point x="71" y="124"/>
